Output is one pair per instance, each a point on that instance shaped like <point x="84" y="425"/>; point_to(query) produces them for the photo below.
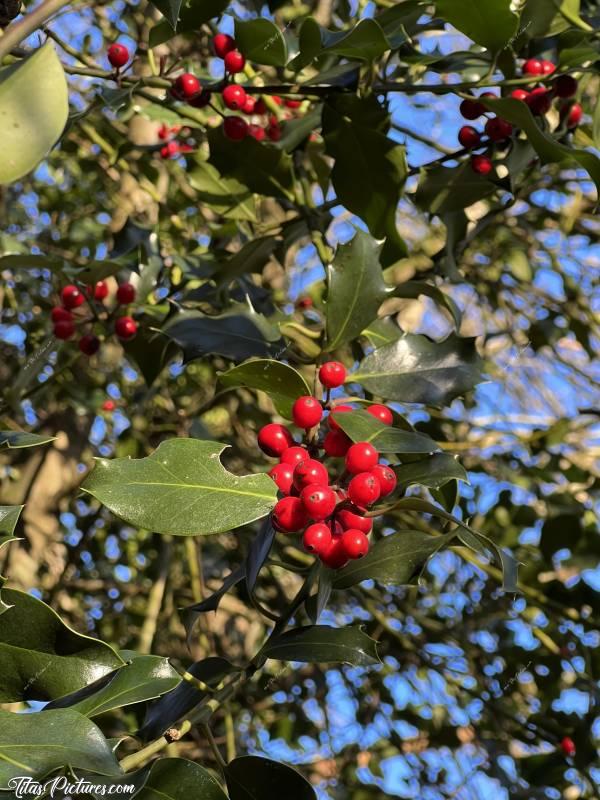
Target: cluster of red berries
<point x="66" y="316"/>
<point x="330" y="510"/>
<point x="172" y="146"/>
<point x="539" y="100"/>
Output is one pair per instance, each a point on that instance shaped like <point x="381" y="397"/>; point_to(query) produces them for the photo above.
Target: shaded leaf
<point x="180" y="779"/>
<point x="282" y="383"/>
<point x="261" y="41"/>
<point x="256" y="778"/>
<point x="258" y="553"/>
<point x="192" y="15"/>
<point x="225" y="196"/>
<point x="491" y="24"/>
<point x="16" y="439"/>
<point x="433" y="471"/>
<point x="445" y="189"/>
<point x="363" y="427"/>
<point x="323" y="644"/>
<point x="191" y="613"/>
<point x="169" y="9"/>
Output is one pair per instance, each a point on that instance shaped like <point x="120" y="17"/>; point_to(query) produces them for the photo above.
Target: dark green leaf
<point x="316" y="603"/>
<point x="282" y="383"/>
<point x="251" y="257"/>
<point x="417" y="370"/>
<point x="491" y="24"/>
<point x="393" y="560"/>
<point x="225" y="196"/>
<point x="41" y="657"/>
<point x="181" y="489"/>
<point x="169" y="9"/>
<point x="363" y="427"/>
<point x="355" y="289"/>
<point x="190" y="614"/>
<point x="255" y="778"/>
<point x="258" y="554"/>
<point x="9" y="516"/>
<point x="15" y="439"/>
<point x="149" y="350"/>
<point x="261" y="41"/>
<point x="322" y="644"/>
<point x="383" y="331"/>
<point x="445" y="189"/>
<point x="193" y="14"/>
<point x="180" y="779"/>
<point x="432" y="472"/>
<point x="366" y="41"/>
<point x="33" y="745"/>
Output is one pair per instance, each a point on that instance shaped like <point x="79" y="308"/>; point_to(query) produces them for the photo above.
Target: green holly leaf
<point x="179" y="779"/>
<point x="323" y="644"/>
<point x="17" y="439"/>
<point x="261" y="41"/>
<point x="181" y="489"/>
<point x="282" y="383"/>
<point x="491" y="24"/>
<point x="225" y="196"/>
<point x="169" y="9"/>
<point x="363" y="427"/>
<point x="249" y="777"/>
<point x="432" y="472"/>
<point x="447" y="189"/>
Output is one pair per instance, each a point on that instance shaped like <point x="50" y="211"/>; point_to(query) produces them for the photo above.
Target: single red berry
<point x="520" y="94"/>
<point x="234" y="97"/>
<point x="488" y="95"/>
<point x="361" y="457"/>
<point x="386" y="477"/>
<point x="332" y="374"/>
<point x="548" y="67"/>
<point x="307" y="412"/>
<point x="482" y="165"/>
<point x="319" y="501"/>
<point x="342" y="409"/>
<point x="118" y="55"/>
<point x="60" y="314"/>
<point x="567" y="745"/>
<point x="260" y="106"/>
<point x="89" y="344"/>
<point x="234" y="62"/>
<point x="355" y="543"/>
<point x="283" y="475"/>
<point x="274" y="439"/>
<point x="293" y="103"/>
<point x="574" y="115"/>
<point x="469" y="137"/>
<point x="202" y="99"/>
<point x="289" y="515"/>
<point x="222" y="44"/>
<point x="249" y="105"/>
<point x="539" y="101"/>
<point x="294" y="455"/>
<point x="126" y="293"/>
<point x="364" y="489"/>
<point x="64" y="329"/>
<point x="169" y="150"/>
<point x="310" y="472"/>
<point x="109" y="405"/>
<point x="565" y="86"/>
<point x="382" y="413"/>
<point x="125" y="328"/>
<point x="471" y="109"/>
<point x="235" y="128"/>
<point x="71" y="296"/>
<point x="317" y="538"/>
<point x="186" y="86"/>
<point x="277" y="99"/>
<point x="257" y="132"/>
<point x="101" y="291"/>
<point x="305" y="302"/>
<point x="274" y="132"/>
<point x="334" y="556"/>
<point x="164" y="132"/>
<point x="533" y="66"/>
<point x="350" y="518"/>
<point x="498" y="129"/>
<point x="336" y="444"/>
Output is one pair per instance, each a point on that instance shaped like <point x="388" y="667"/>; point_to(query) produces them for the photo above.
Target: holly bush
<point x="299" y="459"/>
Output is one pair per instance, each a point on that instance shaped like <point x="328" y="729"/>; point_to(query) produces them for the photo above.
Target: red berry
<point x="274" y="132"/>
<point x="337" y="410"/>
<point x="257" y="132"/>
<point x="533" y="66"/>
<point x="482" y="165"/>
<point x="235" y="128"/>
<point x="469" y="137"/>
<point x="89" y="344"/>
<point x="539" y="101"/>
<point x="471" y="109"/>
<point x="125" y="328"/>
<point x="548" y="67"/>
<point x="567" y="745"/>
<point x="202" y="99"/>
<point x="334" y="556"/>
<point x="260" y="106"/>
<point x="100" y="290"/>
<point x="109" y="405"/>
<point x="317" y="538"/>
<point x="319" y="501"/>
<point x="488" y="95"/>
<point x="565" y="86"/>
<point x="186" y="86"/>
<point x="332" y="374"/>
<point x="126" y="293"/>
<point x="361" y="457"/>
<point x="293" y="103"/>
<point x="305" y="302"/>
<point x="234" y="62"/>
<point x="355" y="543"/>
<point x="249" y="105"/>
<point x="274" y="439"/>
<point x="64" y="329"/>
<point x="364" y="489"/>
<point x="223" y="44"/>
<point x="574" y="116"/>
<point x="164" y="132"/>
<point x="289" y="515"/>
<point x="60" y="314"/>
<point x="336" y="444"/>
<point x="349" y="518"/>
<point x="71" y="296"/>
<point x="294" y="455"/>
<point x="382" y="413"/>
<point x="234" y="97"/>
<point x="498" y="129"/>
<point x="118" y="55"/>
<point x="283" y="474"/>
<point x="386" y="477"/>
<point x="520" y="94"/>
<point x="169" y="150"/>
<point x="307" y="412"/>
<point x="310" y="472"/>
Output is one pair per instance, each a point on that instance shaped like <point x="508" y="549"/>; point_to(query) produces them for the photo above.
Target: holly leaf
<point x="432" y="472"/>
<point x="169" y="9"/>
<point x="255" y="778"/>
<point x="363" y="427"/>
<point x="282" y="383"/>
<point x="17" y="439"/>
<point x="261" y="41"/>
<point x="491" y="24"/>
<point x="179" y="779"/>
<point x="323" y="644"/>
<point x="181" y="489"/>
<point x="445" y="189"/>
